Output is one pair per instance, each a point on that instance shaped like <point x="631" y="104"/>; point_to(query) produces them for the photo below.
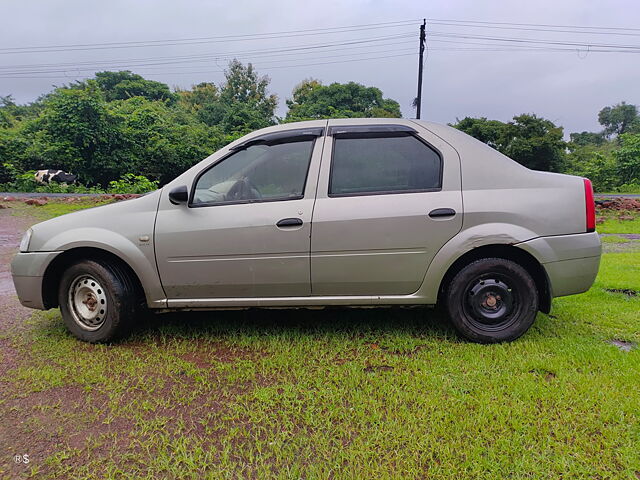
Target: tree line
<point x="122" y="127"/>
<point x="609" y="157"/>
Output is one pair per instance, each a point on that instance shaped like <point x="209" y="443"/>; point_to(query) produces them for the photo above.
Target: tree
<point x="490" y="132"/>
<point x="11" y="112"/>
<point x="125" y="84"/>
<point x="157" y="143"/>
<point x="245" y="103"/>
<point x="596" y="164"/>
<point x="75" y="133"/>
<point x="586" y="138"/>
<point x="312" y="100"/>
<point x="616" y="120"/>
<point x="628" y="157"/>
<point x="531" y="141"/>
<point x="203" y="100"/>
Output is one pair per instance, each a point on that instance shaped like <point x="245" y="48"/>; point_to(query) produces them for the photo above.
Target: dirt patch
<point x="8" y="357"/>
<point x="619" y="204"/>
<point x="623" y="345"/>
<point x="224" y="354"/>
<point x="11" y="230"/>
<point x="548" y="375"/>
<point x="40" y="424"/>
<point x="406" y="352"/>
<point x="625" y="291"/>
<point x="377" y="368"/>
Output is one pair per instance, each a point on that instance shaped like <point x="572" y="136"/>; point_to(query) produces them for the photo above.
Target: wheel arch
<point x="56" y="268"/>
<point x="507" y="252"/>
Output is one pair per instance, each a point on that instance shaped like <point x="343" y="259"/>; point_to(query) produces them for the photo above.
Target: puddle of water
<point x="623" y="345"/>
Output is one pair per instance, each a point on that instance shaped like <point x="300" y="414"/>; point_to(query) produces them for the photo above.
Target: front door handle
<point x="289" y="222"/>
<point x="442" y="212"/>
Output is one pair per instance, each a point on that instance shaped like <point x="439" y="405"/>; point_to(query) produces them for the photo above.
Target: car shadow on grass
<point x="349" y="322"/>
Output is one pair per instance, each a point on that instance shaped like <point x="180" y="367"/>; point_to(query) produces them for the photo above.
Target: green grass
<point x="614" y="239"/>
<point x="335" y="394"/>
<point x="54" y="208"/>
<point x="613" y="224"/>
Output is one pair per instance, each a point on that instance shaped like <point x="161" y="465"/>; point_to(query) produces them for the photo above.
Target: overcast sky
<point x="461" y="79"/>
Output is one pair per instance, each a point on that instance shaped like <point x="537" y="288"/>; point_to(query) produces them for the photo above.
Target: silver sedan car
<point x="352" y="212"/>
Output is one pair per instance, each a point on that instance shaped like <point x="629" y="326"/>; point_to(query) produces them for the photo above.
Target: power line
<point x="267" y="69"/>
<point x="476" y="43"/>
<point x="4" y="74"/>
<point x="279" y="51"/>
<point x="535" y="29"/>
<point x="306" y="49"/>
<point x="597" y="30"/>
<point x="200" y="40"/>
<point x="583" y="27"/>
<point x="528" y="47"/>
<point x="532" y="40"/>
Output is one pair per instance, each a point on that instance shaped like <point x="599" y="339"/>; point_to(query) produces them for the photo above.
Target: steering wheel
<point x="243" y="189"/>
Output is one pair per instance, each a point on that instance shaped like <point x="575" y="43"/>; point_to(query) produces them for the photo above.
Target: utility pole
<point x="423" y="37"/>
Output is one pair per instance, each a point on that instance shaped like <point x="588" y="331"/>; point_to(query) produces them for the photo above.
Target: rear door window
<point x="366" y="164"/>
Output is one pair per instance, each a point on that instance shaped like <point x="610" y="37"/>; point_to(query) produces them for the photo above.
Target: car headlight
<point x="24" y="243"/>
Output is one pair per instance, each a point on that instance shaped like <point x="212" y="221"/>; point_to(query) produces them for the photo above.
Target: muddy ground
<point x="11" y="230"/>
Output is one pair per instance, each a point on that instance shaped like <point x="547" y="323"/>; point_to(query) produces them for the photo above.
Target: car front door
<point x="389" y="197"/>
<point x="245" y="231"/>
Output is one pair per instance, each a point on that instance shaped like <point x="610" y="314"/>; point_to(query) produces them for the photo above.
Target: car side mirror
<point x="179" y="195"/>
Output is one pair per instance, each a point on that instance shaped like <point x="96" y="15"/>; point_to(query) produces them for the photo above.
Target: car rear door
<point x="389" y="197"/>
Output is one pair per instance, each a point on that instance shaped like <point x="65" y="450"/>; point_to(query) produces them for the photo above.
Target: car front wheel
<point x="492" y="300"/>
<point x="97" y="300"/>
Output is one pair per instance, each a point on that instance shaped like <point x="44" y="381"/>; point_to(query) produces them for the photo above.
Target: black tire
<point x="109" y="297"/>
<point x="492" y="300"/>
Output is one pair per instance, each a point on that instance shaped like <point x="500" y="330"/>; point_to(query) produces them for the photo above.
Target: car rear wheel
<point x="492" y="300"/>
<point x="97" y="300"/>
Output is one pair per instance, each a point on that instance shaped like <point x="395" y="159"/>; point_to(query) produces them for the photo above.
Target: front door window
<point x="257" y="173"/>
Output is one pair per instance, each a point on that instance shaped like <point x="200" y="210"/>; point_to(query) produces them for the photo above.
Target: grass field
<point x="55" y="208"/>
<point x="615" y="225"/>
<point x="335" y="394"/>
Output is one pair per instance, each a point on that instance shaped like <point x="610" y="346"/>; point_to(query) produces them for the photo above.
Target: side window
<point x="257" y="173"/>
<point x="368" y="164"/>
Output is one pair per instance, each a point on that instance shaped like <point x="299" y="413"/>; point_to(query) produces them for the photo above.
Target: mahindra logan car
<point x="352" y="212"/>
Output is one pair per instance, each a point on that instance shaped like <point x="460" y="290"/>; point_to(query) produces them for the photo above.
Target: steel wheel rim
<point x="87" y="302"/>
<point x="491" y="302"/>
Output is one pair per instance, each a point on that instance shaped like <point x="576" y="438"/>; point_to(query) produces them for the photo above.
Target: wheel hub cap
<point x="87" y="302"/>
<point x="491" y="301"/>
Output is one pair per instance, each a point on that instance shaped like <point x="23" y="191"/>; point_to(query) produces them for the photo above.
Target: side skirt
<point x="295" y="302"/>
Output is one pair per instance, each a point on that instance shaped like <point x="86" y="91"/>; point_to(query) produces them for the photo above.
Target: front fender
<point x="138" y="255"/>
<point x="124" y="229"/>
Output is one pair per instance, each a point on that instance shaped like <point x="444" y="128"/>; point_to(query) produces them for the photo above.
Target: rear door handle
<point x="442" y="212"/>
<point x="289" y="222"/>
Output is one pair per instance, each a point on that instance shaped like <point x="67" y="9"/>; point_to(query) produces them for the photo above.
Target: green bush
<point x="131" y="183"/>
<point x="628" y="188"/>
<point x="26" y="182"/>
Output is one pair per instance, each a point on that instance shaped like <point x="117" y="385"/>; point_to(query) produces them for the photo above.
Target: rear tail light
<point x="591" y="206"/>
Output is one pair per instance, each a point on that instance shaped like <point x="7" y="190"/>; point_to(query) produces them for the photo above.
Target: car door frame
<point x="451" y="182"/>
<point x="190" y="177"/>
